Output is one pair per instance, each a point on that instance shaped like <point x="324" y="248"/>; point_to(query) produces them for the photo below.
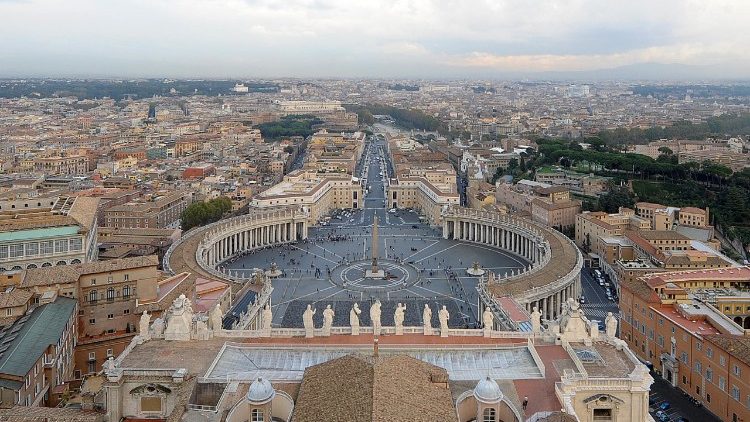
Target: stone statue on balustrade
<point x="427" y="320"/>
<point x="307" y="321"/>
<point x="611" y="325"/>
<point x="443" y="316"/>
<point x="215" y="318"/>
<point x="267" y="317"/>
<point x="328" y="315"/>
<point x="179" y="320"/>
<point x="201" y="331"/>
<point x="143" y="330"/>
<point x="398" y="319"/>
<point x="375" y="317"/>
<point x="536" y="321"/>
<point x="354" y="319"/>
<point x="488" y="319"/>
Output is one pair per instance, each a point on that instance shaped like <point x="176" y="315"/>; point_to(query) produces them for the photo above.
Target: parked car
<point x="582" y="299"/>
<point x="665" y="406"/>
<point x="661" y="416"/>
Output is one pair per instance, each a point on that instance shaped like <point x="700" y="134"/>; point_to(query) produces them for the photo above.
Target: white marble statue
<point x="398" y="319"/>
<point x="536" y="320"/>
<point x="443" y="316"/>
<point x="488" y="319"/>
<point x="216" y="317"/>
<point x="307" y="321"/>
<point x="109" y="366"/>
<point x="427" y="320"/>
<point x="179" y="320"/>
<point x="143" y="326"/>
<point x="611" y="325"/>
<point x="327" y="320"/>
<point x="201" y="331"/>
<point x="375" y="317"/>
<point x="354" y="319"/>
<point x="267" y="317"/>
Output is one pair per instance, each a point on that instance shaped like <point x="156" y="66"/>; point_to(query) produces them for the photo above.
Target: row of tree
<point x="201" y="213"/>
<point x="727" y="124"/>
<point x="405" y="118"/>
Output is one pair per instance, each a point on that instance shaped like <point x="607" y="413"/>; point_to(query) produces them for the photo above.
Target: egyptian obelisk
<point x="374" y="271"/>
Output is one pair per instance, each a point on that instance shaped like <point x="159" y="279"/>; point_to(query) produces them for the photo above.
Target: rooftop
<point x="26" y="340"/>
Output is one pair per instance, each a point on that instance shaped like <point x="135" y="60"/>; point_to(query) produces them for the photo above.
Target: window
<point x="45" y="248"/>
<point x="76" y="244"/>
<point x="126" y="312"/>
<point x="489" y="415"/>
<point x="699" y="346"/>
<point x="722" y="360"/>
<point x="709" y="374"/>
<point x="708" y="397"/>
<point x="110" y="353"/>
<point x="660" y="340"/>
<point x="16" y="250"/>
<point x="92" y="321"/>
<point x="126" y="292"/>
<point x="92" y="355"/>
<point x="111" y="316"/>
<point x="93" y="296"/>
<point x="735" y="393"/>
<point x="722" y="384"/>
<point x="61" y="246"/>
<point x="684" y="357"/>
<point x="9" y="312"/>
<point x="93" y="282"/>
<point x="32" y="249"/>
<point x="109" y="279"/>
<point x="3" y="251"/>
<point x="736" y="370"/>
<point x="602" y="414"/>
<point x="110" y="294"/>
<point x="709" y="352"/>
<point x="698" y="367"/>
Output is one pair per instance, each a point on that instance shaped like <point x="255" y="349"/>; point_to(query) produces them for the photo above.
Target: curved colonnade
<point x="553" y="275"/>
<point x="201" y="250"/>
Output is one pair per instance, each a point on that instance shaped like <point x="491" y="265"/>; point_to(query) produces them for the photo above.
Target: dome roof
<point x="487" y="391"/>
<point x="261" y="391"/>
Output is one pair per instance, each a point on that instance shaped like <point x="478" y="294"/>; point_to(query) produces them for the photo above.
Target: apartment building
<point x="72" y="165"/>
<point x="160" y="210"/>
<point x="673" y="321"/>
<point x="109" y="293"/>
<point x="36" y="353"/>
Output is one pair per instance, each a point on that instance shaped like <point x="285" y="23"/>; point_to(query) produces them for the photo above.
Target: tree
<point x="512" y="164"/>
<point x="498" y="174"/>
<point x="201" y="213"/>
<point x="617" y="197"/>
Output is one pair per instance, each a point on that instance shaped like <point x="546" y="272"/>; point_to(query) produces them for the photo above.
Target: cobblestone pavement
<point x="440" y="264"/>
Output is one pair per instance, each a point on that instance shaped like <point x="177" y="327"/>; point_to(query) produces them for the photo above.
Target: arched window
<point x="489" y="415"/>
<point x="126" y="292"/>
<point x="110" y="294"/>
<point x="93" y="296"/>
<point x="256" y="415"/>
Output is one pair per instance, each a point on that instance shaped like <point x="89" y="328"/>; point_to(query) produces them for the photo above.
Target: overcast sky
<point x="369" y="38"/>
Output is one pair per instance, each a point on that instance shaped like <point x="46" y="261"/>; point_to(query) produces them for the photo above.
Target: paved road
<point x="597" y="305"/>
<point x="680" y="405"/>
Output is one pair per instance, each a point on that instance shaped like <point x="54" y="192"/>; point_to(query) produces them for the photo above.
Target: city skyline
<point x="330" y="38"/>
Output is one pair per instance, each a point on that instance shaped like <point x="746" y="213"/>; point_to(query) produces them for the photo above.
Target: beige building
<point x="62" y="166"/>
<point x="64" y="234"/>
<point x="317" y="193"/>
<point x="159" y="210"/>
